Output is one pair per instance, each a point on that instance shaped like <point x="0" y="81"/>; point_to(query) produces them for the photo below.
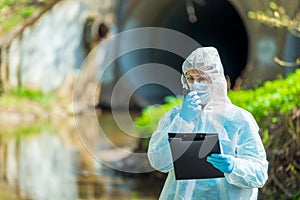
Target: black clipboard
<point x="189" y="153"/>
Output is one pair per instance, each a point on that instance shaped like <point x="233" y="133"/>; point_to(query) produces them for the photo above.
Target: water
<point x="58" y="163"/>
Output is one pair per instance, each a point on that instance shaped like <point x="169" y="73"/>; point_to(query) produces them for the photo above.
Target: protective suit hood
<point x="207" y="60"/>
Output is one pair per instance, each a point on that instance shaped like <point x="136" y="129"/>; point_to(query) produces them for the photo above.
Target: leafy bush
<point x="274" y="97"/>
<point x="147" y="122"/>
<point x="282" y="142"/>
<point x="277" y="96"/>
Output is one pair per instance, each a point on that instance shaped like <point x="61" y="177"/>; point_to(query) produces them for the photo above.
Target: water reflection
<point x="54" y="164"/>
<point x="40" y="166"/>
<point x="47" y="168"/>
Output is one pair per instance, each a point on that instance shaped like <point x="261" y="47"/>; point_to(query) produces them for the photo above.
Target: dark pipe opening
<point x="218" y="25"/>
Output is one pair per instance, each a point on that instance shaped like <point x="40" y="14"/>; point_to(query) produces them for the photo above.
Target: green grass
<point x="27" y="129"/>
<point x="21" y="100"/>
<point x="19" y="96"/>
<point x="13" y="12"/>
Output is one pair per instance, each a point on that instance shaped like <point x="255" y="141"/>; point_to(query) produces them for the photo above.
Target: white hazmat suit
<point x="238" y="134"/>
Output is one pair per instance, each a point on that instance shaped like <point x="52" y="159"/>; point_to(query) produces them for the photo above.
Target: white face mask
<point x="202" y="90"/>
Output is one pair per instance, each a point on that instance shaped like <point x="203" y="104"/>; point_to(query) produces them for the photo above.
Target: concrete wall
<point x="51" y="49"/>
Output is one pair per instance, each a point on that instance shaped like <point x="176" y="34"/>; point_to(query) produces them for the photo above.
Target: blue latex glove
<point x="224" y="163"/>
<point x="190" y="106"/>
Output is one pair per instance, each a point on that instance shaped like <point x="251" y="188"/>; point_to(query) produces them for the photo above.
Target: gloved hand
<point x="190" y="106"/>
<point x="222" y="162"/>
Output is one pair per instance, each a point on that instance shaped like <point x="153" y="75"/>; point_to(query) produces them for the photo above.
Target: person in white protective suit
<point x="207" y="109"/>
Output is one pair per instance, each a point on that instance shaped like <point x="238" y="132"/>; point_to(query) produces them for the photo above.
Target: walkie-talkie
<point x="187" y="90"/>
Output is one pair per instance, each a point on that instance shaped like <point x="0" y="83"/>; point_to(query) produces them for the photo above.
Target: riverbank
<point x="23" y="106"/>
<point x="57" y="163"/>
<point x="27" y="111"/>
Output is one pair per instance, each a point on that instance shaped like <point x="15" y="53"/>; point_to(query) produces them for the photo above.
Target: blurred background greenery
<point x="13" y="12"/>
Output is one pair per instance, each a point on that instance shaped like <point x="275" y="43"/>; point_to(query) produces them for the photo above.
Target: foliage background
<point x="13" y="12"/>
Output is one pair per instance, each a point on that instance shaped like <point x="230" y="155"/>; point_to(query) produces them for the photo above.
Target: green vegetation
<point x="276" y="16"/>
<point x="12" y="12"/>
<point x="26" y="102"/>
<point x="274" y="97"/>
<point x="27" y="129"/>
<point x="19" y="96"/>
<point x="278" y="111"/>
<point x="147" y="122"/>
